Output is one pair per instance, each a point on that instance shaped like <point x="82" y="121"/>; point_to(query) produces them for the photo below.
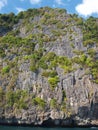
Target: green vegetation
<point x="88" y="62"/>
<point x="39" y="102"/>
<point x="14" y="99"/>
<point x="53" y="81"/>
<point x="90" y="31"/>
<point x="51" y="73"/>
<point x="7" y="21"/>
<point x="6" y="69"/>
<point x="2" y="96"/>
<point x="90" y="40"/>
<point x="65" y="63"/>
<point x="9" y="40"/>
<point x="53" y="103"/>
<point x="17" y="99"/>
<point x="33" y="68"/>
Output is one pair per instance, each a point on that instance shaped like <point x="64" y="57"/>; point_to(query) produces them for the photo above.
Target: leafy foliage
<point x="38" y="101"/>
<point x="16" y="99"/>
<point x="6" y="69"/>
<point x="53" y="81"/>
<point x="53" y="103"/>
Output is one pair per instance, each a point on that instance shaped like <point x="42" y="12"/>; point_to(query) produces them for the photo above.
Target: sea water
<point x="41" y="128"/>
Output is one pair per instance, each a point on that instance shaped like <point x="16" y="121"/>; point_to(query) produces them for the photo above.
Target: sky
<point x="84" y="8"/>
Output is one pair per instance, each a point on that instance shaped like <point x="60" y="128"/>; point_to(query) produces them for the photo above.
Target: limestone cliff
<point x="48" y="68"/>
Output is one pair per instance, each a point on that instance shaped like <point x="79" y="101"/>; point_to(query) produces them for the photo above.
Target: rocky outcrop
<point x="74" y="99"/>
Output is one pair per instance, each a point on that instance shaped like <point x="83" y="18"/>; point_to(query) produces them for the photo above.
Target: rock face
<point x="27" y="96"/>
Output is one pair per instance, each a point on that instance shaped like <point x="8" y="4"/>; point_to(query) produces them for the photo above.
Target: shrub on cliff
<point x="53" y="81"/>
<point x="39" y="102"/>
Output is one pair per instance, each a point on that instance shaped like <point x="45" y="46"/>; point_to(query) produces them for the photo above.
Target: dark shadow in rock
<point x="68" y="122"/>
<point x="91" y="112"/>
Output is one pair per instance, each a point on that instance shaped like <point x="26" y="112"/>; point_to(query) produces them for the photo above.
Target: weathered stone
<point x="75" y="93"/>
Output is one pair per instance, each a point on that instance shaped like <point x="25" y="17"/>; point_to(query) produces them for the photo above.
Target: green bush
<point x="56" y="33"/>
<point x="45" y="74"/>
<point x="22" y="104"/>
<point x="50" y="56"/>
<point x="88" y="42"/>
<point x="72" y="45"/>
<point x="83" y="59"/>
<point x="6" y="69"/>
<point x="16" y="99"/>
<point x="10" y="98"/>
<point x="53" y="103"/>
<point x="53" y="81"/>
<point x="62" y="60"/>
<point x="38" y="101"/>
<point x="79" y="21"/>
<point x="33" y="68"/>
<point x="42" y="64"/>
<point x="67" y="69"/>
<point x="53" y="73"/>
<point x="53" y="64"/>
<point x="2" y="53"/>
<point x="91" y="52"/>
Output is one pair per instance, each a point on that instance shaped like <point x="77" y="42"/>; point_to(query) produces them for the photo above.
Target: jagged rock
<point x="74" y="98"/>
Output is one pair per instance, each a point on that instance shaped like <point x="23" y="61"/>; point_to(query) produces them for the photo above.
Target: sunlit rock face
<point x="48" y="68"/>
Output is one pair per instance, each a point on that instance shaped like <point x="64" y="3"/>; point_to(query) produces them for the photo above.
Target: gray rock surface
<point x="81" y="101"/>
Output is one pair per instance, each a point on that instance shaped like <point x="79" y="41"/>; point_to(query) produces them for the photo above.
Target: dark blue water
<point x="38" y="128"/>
